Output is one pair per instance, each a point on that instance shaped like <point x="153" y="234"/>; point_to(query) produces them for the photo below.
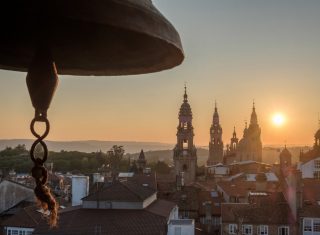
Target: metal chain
<point x="39" y="172"/>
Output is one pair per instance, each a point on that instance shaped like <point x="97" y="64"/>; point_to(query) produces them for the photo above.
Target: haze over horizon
<point x="236" y="52"/>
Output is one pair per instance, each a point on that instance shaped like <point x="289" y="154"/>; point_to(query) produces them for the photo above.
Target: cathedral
<point x="215" y="144"/>
<point x="185" y="153"/>
<point x="250" y="146"/>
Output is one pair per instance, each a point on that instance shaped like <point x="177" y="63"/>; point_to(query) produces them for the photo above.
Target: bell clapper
<point x="42" y="80"/>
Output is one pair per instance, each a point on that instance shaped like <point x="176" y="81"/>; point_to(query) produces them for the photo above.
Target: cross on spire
<point x="185" y="96"/>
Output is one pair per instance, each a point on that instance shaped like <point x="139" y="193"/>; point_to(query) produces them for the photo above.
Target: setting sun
<point x="278" y="119"/>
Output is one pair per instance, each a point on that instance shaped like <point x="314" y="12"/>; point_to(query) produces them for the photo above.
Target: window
<point x="316" y="225"/>
<point x="177" y="230"/>
<point x="262" y="230"/>
<point x="233" y="228"/>
<point x="317" y="164"/>
<point x="316" y="174"/>
<point x="307" y="225"/>
<point x="283" y="230"/>
<point x="185" y="144"/>
<point x="185" y="126"/>
<point x="184" y="215"/>
<point x="246" y="229"/>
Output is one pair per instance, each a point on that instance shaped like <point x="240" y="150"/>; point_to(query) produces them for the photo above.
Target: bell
<point x="89" y="37"/>
<point x="80" y="37"/>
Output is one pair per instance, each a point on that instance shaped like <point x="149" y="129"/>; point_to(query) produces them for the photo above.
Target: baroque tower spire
<point x="215" y="144"/>
<point x="185" y="156"/>
<point x="253" y="119"/>
<point x="250" y="146"/>
<point x="234" y="141"/>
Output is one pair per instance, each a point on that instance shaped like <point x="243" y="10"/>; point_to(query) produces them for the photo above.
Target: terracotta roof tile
<point x="121" y="191"/>
<point x="152" y="220"/>
<point x="27" y="217"/>
<point x="272" y="210"/>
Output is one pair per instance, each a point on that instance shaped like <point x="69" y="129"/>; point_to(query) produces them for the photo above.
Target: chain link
<point x="39" y="172"/>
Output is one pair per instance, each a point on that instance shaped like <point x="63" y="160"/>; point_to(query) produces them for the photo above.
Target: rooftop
<point x="121" y="191"/>
<point x="274" y="210"/>
<point x="152" y="220"/>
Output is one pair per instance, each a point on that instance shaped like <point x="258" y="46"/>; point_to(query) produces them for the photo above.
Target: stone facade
<point x="250" y="146"/>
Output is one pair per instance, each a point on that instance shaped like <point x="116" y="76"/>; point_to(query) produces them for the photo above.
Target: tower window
<point x="185" y="125"/>
<point x="185" y="144"/>
<point x="184" y="167"/>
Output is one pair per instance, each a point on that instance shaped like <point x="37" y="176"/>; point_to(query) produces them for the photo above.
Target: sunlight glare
<point x="278" y="119"/>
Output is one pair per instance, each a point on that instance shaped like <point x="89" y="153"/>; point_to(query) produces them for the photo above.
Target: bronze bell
<point x="80" y="37"/>
<point x="89" y="37"/>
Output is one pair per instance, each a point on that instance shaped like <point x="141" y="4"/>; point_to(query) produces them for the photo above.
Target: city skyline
<point x="235" y="53"/>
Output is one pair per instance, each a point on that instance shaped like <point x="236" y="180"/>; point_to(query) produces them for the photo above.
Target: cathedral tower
<point x="285" y="158"/>
<point x="185" y="153"/>
<point x="215" y="144"/>
<point x="250" y="146"/>
<point x="234" y="141"/>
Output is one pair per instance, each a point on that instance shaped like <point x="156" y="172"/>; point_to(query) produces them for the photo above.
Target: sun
<point x="278" y="119"/>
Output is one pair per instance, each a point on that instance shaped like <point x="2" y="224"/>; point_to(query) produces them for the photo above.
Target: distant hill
<point x="269" y="155"/>
<point x="154" y="151"/>
<point x="90" y="145"/>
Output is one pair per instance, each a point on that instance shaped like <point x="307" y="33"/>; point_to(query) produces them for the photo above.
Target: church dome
<point x="285" y="153"/>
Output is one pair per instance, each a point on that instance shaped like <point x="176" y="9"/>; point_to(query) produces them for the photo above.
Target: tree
<point x="114" y="158"/>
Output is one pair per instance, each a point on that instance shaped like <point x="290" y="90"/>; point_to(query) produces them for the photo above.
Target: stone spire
<point x="141" y="162"/>
<point x="250" y="146"/>
<point x="215" y="144"/>
<point x="215" y="119"/>
<point x="185" y="96"/>
<point x="234" y="141"/>
<point x="234" y="134"/>
<point x="185" y="109"/>
<point x="253" y="119"/>
<point x="184" y="156"/>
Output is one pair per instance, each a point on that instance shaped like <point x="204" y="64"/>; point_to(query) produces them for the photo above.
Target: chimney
<point x="261" y="182"/>
<point x="208" y="209"/>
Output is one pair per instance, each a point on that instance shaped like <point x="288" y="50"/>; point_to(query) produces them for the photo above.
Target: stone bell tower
<point x="215" y="144"/>
<point x="185" y="153"/>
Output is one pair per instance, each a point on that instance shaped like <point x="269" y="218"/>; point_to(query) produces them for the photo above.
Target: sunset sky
<point x="236" y="52"/>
